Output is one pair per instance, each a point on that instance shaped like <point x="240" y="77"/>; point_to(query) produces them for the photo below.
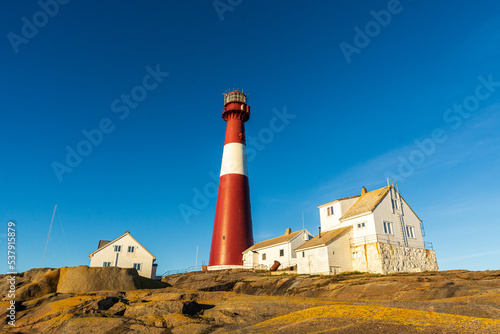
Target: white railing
<point x="382" y="238"/>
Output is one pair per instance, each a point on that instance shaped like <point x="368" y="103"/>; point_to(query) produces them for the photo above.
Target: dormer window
<point x="329" y="211"/>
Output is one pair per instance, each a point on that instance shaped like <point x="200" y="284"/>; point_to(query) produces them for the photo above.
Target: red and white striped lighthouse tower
<point x="233" y="222"/>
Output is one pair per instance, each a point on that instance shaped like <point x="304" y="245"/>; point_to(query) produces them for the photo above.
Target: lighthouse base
<point x="225" y="267"/>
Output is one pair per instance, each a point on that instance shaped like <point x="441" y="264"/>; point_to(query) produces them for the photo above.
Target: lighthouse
<point x="232" y="232"/>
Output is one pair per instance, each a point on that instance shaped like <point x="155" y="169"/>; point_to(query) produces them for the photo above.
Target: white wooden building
<point x="327" y="253"/>
<point x="376" y="231"/>
<point x="263" y="254"/>
<point x="124" y="252"/>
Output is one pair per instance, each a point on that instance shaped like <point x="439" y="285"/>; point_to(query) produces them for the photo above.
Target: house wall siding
<point x="384" y="212"/>
<point x="253" y="259"/>
<point x="315" y="261"/>
<point x="329" y="222"/>
<point x="339" y="256"/>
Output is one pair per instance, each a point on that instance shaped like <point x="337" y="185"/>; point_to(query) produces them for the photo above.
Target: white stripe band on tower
<point x="234" y="159"/>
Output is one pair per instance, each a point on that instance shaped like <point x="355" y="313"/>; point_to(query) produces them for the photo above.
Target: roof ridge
<point x="366" y="203"/>
<point x="274" y="241"/>
<point x="325" y="238"/>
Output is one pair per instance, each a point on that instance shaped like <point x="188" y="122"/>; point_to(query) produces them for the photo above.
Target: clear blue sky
<point x="353" y="119"/>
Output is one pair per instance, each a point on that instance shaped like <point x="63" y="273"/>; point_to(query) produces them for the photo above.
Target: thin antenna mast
<point x="196" y="263"/>
<point x="48" y="237"/>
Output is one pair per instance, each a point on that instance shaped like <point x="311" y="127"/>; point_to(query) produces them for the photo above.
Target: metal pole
<point x="48" y="237"/>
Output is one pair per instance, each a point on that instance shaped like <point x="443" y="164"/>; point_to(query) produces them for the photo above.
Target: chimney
<point x="363" y="191"/>
<point x="319" y="235"/>
<point x="288" y="231"/>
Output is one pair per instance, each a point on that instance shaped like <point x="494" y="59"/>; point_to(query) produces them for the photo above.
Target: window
<point x="118" y="248"/>
<point x="361" y="225"/>
<point x="223" y="237"/>
<point x="388" y="229"/>
<point x="329" y="210"/>
<point x="282" y="252"/>
<point x="303" y="254"/>
<point x="131" y="249"/>
<point x="106" y="264"/>
<point x="354" y="255"/>
<point x="410" y="231"/>
<point x="264" y="256"/>
<point x="394" y="204"/>
<point x="137" y="266"/>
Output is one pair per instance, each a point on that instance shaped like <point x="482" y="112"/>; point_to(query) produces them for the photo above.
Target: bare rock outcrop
<point x="81" y="279"/>
<point x="259" y="302"/>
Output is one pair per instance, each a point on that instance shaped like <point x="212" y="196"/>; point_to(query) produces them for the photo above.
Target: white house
<point x="376" y="231"/>
<point x="263" y="254"/>
<point x="124" y="252"/>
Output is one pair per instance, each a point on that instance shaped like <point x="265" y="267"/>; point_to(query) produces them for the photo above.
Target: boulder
<point x="83" y="279"/>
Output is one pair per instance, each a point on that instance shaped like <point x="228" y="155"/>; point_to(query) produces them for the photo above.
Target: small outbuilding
<point x="327" y="253"/>
<point x="263" y="254"/>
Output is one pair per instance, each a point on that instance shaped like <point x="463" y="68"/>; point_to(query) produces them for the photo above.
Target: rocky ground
<point x="254" y="302"/>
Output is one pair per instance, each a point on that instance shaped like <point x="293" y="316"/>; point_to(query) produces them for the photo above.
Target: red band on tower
<point x="232" y="232"/>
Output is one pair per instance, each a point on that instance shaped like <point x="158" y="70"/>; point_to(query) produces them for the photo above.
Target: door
<point x="310" y="260"/>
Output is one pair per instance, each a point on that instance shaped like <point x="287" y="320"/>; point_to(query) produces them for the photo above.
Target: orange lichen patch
<point x="93" y="322"/>
<point x="490" y="298"/>
<point x="152" y="320"/>
<point x="137" y="294"/>
<point x="56" y="307"/>
<point x="54" y="323"/>
<point x="389" y="315"/>
<point x="191" y="328"/>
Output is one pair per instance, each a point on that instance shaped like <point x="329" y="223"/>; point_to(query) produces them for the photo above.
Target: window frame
<point x="388" y="227"/>
<point x="137" y="266"/>
<point x="117" y="248"/>
<point x="264" y="256"/>
<point x="131" y="251"/>
<point x="106" y="264"/>
<point x="282" y="252"/>
<point x="410" y="228"/>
